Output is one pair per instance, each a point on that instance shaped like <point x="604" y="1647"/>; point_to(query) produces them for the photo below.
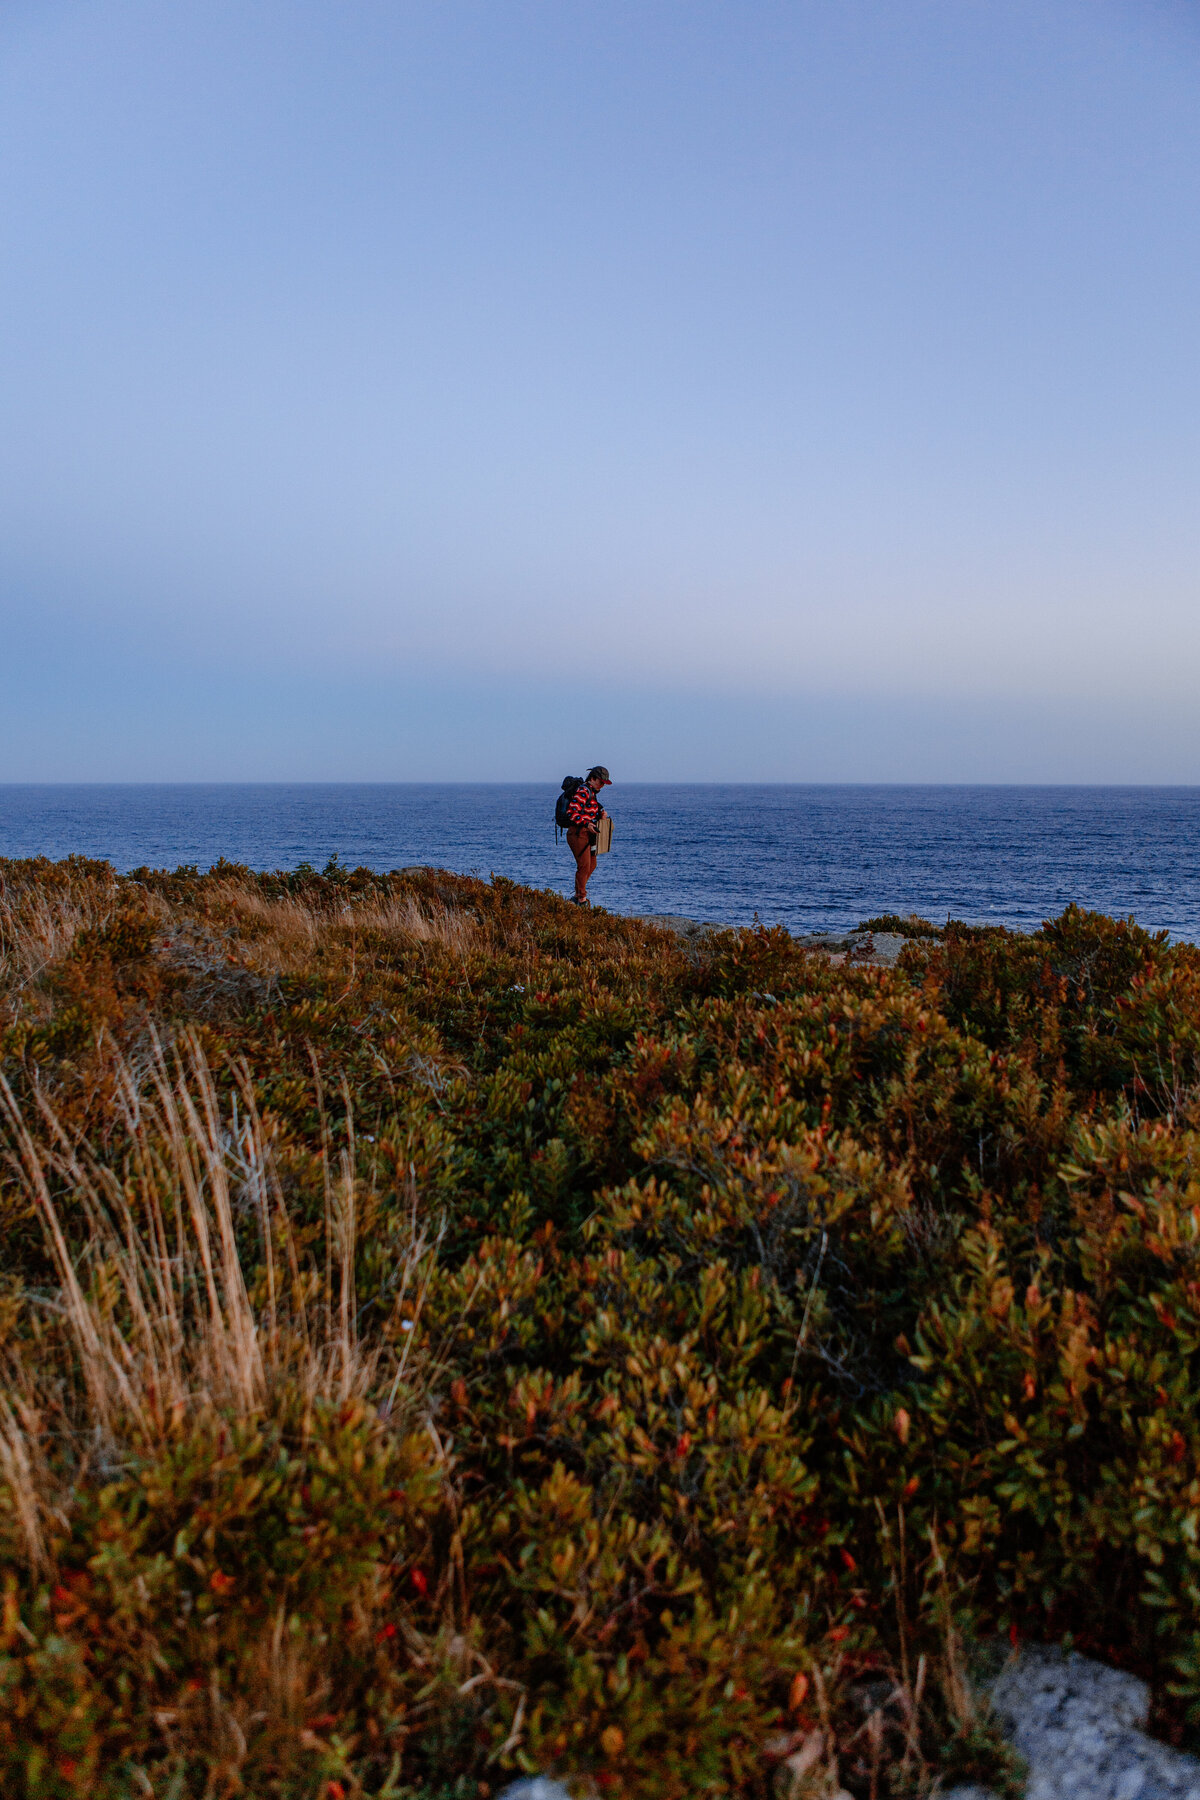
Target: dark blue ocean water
<point x="811" y="858"/>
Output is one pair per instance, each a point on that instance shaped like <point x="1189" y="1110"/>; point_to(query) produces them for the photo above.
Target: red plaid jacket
<point x="584" y="807"/>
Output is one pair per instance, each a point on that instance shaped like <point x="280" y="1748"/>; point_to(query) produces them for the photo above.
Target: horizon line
<point x="549" y="781"/>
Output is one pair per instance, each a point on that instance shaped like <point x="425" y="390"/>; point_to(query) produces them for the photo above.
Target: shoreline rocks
<point x="881" y="949"/>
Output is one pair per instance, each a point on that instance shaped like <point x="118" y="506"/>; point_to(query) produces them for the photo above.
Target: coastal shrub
<point x="908" y="925"/>
<point x="445" y="1333"/>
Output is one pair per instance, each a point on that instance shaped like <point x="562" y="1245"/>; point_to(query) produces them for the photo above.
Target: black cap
<point x="602" y="772"/>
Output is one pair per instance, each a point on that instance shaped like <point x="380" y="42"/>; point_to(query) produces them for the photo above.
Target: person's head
<point x="598" y="778"/>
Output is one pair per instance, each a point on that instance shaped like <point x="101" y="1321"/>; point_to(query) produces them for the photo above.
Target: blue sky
<point x="802" y="391"/>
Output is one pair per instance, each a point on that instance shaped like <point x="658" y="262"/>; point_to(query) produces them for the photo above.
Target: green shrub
<point x="907" y="925"/>
<point x="447" y="1333"/>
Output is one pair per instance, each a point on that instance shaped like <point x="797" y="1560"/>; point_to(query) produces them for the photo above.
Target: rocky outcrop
<point x="880" y="947"/>
<point x="1080" y="1728"/>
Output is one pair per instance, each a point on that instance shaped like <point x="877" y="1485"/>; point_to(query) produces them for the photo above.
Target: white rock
<point x="541" y="1787"/>
<point x="1078" y="1726"/>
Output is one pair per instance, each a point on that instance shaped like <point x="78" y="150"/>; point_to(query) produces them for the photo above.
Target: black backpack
<point x="561" y="822"/>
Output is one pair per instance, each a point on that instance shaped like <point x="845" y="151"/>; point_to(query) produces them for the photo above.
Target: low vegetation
<point x="446" y="1334"/>
<point x="908" y="925"/>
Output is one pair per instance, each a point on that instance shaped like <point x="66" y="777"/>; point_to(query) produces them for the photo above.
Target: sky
<point x="414" y="390"/>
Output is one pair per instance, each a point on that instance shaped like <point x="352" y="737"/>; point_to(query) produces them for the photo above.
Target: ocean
<point x="812" y="858"/>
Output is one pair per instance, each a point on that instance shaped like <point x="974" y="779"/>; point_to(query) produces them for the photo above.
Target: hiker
<point x="583" y="812"/>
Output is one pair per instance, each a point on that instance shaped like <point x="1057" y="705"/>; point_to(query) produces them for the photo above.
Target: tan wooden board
<point x="604" y="830"/>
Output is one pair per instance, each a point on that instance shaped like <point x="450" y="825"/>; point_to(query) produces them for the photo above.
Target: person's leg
<point x="580" y="848"/>
<point x="579" y="842"/>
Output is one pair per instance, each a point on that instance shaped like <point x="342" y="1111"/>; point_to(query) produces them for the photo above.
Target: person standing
<point x="584" y="812"/>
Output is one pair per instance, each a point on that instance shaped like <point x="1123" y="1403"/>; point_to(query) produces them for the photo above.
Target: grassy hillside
<point x="446" y="1333"/>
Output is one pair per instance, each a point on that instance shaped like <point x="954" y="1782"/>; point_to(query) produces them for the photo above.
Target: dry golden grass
<point x="39" y="924"/>
<point x="22" y="1467"/>
<point x="286" y="934"/>
<point x="156" y="1322"/>
<point x="430" y="923"/>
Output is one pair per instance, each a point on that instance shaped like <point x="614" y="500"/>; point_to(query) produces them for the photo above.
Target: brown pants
<point x="580" y="843"/>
